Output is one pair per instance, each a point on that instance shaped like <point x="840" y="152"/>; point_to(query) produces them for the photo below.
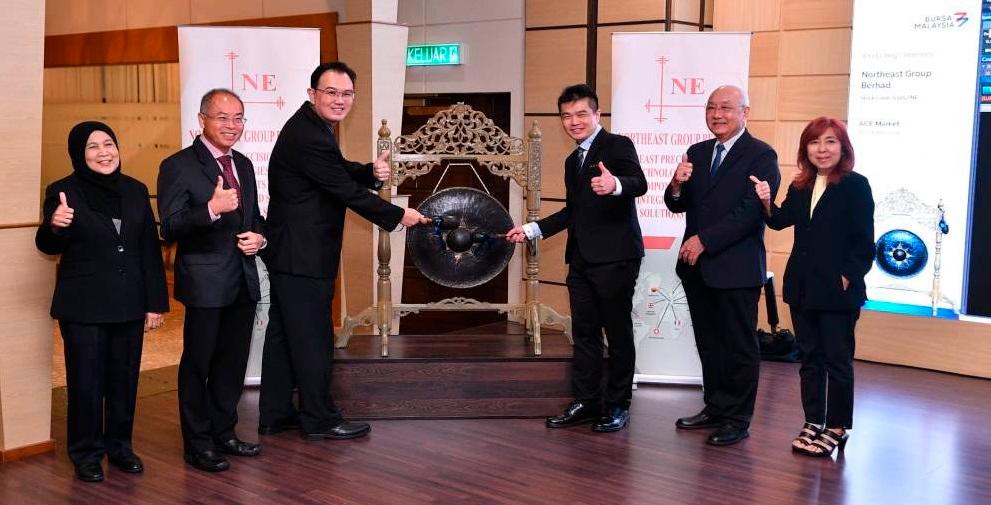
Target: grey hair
<point x="744" y="99"/>
<point x="205" y="101"/>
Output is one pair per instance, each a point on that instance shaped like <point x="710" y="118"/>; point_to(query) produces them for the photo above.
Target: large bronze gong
<point x="464" y="246"/>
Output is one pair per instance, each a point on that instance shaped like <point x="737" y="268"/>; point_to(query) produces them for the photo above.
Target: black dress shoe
<point x="208" y="461"/>
<point x="728" y="434"/>
<point x="615" y="420"/>
<point x="89" y="472"/>
<point x="576" y="413"/>
<point x="698" y="421"/>
<point x="238" y="447"/>
<point x="127" y="462"/>
<point x="341" y="431"/>
<point x="272" y="429"/>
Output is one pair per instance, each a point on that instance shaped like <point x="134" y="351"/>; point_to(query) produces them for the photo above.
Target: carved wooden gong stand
<point x="460" y="133"/>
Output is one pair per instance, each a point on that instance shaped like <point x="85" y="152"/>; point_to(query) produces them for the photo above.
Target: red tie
<point x="225" y="161"/>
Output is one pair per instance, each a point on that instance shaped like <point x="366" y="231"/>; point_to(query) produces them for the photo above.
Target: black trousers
<point x="102" y="362"/>
<point x="298" y="354"/>
<point x="826" y="341"/>
<point x="216" y="342"/>
<point x="725" y="324"/>
<point x="601" y="296"/>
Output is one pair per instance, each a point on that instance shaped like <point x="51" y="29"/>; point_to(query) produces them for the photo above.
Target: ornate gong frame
<point x="460" y="133"/>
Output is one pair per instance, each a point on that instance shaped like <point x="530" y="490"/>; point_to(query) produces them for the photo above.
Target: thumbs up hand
<point x="62" y="217"/>
<point x="380" y="167"/>
<point x="682" y="173"/>
<point x="223" y="200"/>
<point x="604" y="183"/>
<point x="763" y="190"/>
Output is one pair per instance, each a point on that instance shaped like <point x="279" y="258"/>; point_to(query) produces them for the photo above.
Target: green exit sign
<point x="433" y="54"/>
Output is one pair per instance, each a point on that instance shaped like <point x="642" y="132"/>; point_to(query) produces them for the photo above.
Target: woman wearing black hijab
<point x="109" y="289"/>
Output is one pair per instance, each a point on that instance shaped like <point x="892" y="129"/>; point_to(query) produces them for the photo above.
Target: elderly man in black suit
<point x="602" y="179"/>
<point x="208" y="204"/>
<point x="311" y="187"/>
<point x="722" y="262"/>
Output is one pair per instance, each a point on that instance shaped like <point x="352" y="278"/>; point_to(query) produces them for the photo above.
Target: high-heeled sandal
<point x="805" y="437"/>
<point x="827" y="441"/>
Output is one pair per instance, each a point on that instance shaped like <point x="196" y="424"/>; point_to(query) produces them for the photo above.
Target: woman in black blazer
<point x="832" y="210"/>
<point x="110" y="287"/>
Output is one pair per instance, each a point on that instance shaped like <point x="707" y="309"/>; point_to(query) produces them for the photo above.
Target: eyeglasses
<point x="723" y="109"/>
<point x="238" y="120"/>
<point x="336" y="93"/>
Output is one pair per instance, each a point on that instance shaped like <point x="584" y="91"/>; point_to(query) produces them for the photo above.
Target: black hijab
<point x="101" y="190"/>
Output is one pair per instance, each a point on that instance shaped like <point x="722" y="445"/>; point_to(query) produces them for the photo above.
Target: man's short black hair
<point x="334" y="66"/>
<point x="577" y="92"/>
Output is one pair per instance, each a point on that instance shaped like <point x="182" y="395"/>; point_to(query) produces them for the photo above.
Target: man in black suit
<point x="208" y="204"/>
<point x="722" y="262"/>
<point x="602" y="179"/>
<point x="311" y="187"/>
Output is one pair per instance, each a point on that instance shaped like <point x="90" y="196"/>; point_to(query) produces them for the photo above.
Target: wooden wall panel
<point x="764" y="54"/>
<point x="620" y="11"/>
<point x="786" y="140"/>
<point x="603" y="64"/>
<point x="555" y="13"/>
<point x="805" y="98"/>
<point x="815" y="52"/>
<point x="25" y="338"/>
<point x="212" y="11"/>
<point x="143" y="45"/>
<point x="148" y="133"/>
<point x="763" y="130"/>
<point x="161" y="44"/>
<point x="556" y="297"/>
<point x="20" y="112"/>
<point x="746" y="15"/>
<point x="552" y="266"/>
<point x="804" y="14"/>
<point x="73" y="16"/>
<point x="953" y="346"/>
<point x="763" y="93"/>
<point x="686" y="10"/>
<point x="152" y="13"/>
<point x="554" y="59"/>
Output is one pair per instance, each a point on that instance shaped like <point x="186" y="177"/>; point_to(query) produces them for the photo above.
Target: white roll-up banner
<point x="269" y="68"/>
<point x="660" y="84"/>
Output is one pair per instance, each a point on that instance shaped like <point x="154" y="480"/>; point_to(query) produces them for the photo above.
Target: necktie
<point x="225" y="161"/>
<point x="719" y="158"/>
<point x="581" y="158"/>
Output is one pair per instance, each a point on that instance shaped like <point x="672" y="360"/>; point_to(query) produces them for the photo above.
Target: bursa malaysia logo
<point x="941" y="21"/>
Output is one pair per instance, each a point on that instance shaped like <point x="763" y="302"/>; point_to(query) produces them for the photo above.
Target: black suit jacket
<point x="104" y="276"/>
<point x="209" y="267"/>
<point x="311" y="186"/>
<point x="603" y="228"/>
<point x="838" y="240"/>
<point x="726" y="214"/>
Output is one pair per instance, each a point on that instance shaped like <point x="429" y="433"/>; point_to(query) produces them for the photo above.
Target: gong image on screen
<point x="901" y="253"/>
<point x="465" y="245"/>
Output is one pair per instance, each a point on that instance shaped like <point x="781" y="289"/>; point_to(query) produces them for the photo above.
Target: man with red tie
<point x="208" y="205"/>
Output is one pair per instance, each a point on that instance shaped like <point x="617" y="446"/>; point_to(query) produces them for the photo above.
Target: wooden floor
<point x="919" y="438"/>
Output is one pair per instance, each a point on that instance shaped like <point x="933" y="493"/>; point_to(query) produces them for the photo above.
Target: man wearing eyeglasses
<point x="311" y="186"/>
<point x="208" y="205"/>
<point x="722" y="262"/>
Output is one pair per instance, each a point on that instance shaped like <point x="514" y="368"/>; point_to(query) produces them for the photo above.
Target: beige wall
<point x="84" y="16"/>
<point x="26" y="275"/>
<point x="800" y="69"/>
<point x="488" y="68"/>
<point x="557" y="46"/>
